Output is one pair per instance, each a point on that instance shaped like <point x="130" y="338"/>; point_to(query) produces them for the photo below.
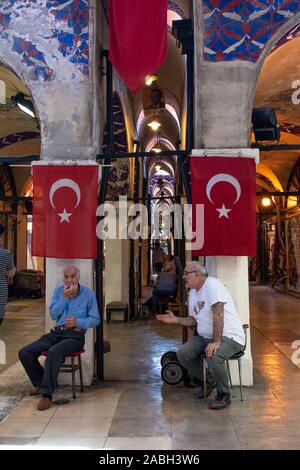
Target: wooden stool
<point x="116" y="307"/>
<point x="72" y="368"/>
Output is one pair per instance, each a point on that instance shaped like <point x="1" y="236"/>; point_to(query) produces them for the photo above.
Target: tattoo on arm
<point x="218" y="321"/>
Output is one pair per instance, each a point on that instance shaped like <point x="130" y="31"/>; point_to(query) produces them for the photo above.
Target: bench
<point x="116" y="307"/>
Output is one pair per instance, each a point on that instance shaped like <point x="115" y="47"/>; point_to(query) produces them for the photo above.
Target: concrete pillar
<point x="21" y="239"/>
<point x="67" y="135"/>
<point x="116" y="277"/>
<point x="65" y="96"/>
<point x="145" y="262"/>
<point x="223" y="106"/>
<point x="54" y="270"/>
<point x="233" y="272"/>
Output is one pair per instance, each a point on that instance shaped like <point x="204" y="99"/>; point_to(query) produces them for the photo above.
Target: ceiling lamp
<point x="266" y="201"/>
<point x="150" y="79"/>
<point x="157" y="167"/>
<point x="155" y="125"/>
<point x="157" y="148"/>
<point x="24" y="105"/>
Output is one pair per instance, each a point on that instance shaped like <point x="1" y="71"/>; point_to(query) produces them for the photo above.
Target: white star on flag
<point x="223" y="212"/>
<point x="64" y="216"/>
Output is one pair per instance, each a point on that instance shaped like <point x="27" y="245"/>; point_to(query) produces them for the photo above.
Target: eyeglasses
<point x="186" y="273"/>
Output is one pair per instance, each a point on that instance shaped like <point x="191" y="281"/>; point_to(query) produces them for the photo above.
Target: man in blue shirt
<point x="74" y="307"/>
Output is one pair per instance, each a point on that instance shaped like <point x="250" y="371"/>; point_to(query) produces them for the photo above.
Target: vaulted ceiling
<point x="19" y="133"/>
<point x="275" y="89"/>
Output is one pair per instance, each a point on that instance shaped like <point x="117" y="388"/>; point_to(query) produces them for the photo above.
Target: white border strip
<point x="49" y="162"/>
<point x="64" y="162"/>
<point x="245" y="152"/>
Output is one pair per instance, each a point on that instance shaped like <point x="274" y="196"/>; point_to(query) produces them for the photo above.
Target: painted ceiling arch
<point x="60" y="37"/>
<point x="118" y="181"/>
<point x="294" y="178"/>
<point x="240" y="30"/>
<point x="265" y="174"/>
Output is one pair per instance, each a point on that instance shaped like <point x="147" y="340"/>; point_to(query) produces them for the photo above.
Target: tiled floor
<point x="134" y="409"/>
<point x="23" y="323"/>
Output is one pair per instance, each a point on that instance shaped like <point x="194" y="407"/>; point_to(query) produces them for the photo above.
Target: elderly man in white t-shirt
<point x="219" y="330"/>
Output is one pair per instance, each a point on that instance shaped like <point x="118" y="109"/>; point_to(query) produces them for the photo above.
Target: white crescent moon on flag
<point x="64" y="183"/>
<point x="220" y="178"/>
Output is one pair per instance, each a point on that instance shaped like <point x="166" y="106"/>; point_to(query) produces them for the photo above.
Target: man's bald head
<point x="71" y="275"/>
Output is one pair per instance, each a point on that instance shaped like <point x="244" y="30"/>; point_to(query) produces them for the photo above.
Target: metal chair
<point x="236" y="357"/>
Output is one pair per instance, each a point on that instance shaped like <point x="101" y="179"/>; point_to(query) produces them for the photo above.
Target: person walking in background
<point x="169" y="264"/>
<point x="7" y="269"/>
<point x="158" y="257"/>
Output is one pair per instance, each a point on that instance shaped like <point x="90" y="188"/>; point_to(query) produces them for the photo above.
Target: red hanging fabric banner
<point x="64" y="211"/>
<point x="227" y="189"/>
<point x="137" y="38"/>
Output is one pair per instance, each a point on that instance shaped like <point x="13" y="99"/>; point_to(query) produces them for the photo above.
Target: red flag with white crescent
<point x="227" y="189"/>
<point x="64" y="211"/>
<point x="137" y="38"/>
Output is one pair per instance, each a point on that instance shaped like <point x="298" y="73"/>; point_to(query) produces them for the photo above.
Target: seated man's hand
<point x="212" y="348"/>
<point x="70" y="322"/>
<point x="69" y="291"/>
<point x="168" y="317"/>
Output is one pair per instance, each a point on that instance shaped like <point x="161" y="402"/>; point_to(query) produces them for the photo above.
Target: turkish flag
<point x="64" y="211"/>
<point x="227" y="189"/>
<point x="137" y="38"/>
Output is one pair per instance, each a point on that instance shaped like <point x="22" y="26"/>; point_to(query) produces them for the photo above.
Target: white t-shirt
<point x="200" y="303"/>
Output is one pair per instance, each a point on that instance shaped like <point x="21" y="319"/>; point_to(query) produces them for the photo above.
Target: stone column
<point x="233" y="272"/>
<point x="54" y="268"/>
<point x="63" y="80"/>
<point x="21" y="238"/>
<point x="116" y="277"/>
<point x="69" y="112"/>
<point x="223" y="106"/>
<point x="295" y="232"/>
<point x="68" y="136"/>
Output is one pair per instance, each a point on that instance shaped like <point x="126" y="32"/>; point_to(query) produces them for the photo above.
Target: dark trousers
<point x="189" y="356"/>
<point x="158" y="267"/>
<point x="155" y="302"/>
<point x="156" y="296"/>
<point x="59" y="344"/>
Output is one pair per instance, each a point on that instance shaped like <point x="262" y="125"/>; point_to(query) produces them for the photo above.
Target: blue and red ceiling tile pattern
<point x="239" y="30"/>
<point x="63" y="20"/>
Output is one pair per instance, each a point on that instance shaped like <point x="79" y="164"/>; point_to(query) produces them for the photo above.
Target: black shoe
<point x="221" y="401"/>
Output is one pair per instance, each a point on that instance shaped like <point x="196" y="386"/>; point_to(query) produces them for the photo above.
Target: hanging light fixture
<point x="266" y="201"/>
<point x="23" y="104"/>
<point x="157" y="147"/>
<point x="150" y="79"/>
<point x="154" y="124"/>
